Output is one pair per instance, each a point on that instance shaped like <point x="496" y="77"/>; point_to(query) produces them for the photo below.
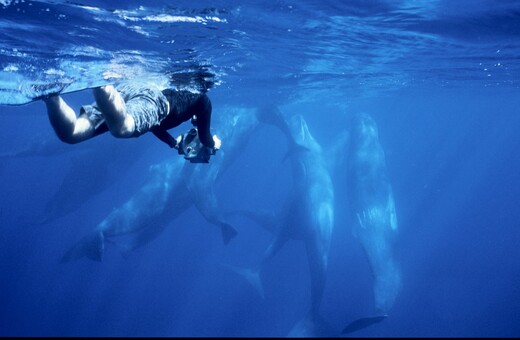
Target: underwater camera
<point x="193" y="149"/>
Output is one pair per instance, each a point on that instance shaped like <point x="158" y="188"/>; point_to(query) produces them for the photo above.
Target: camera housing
<point x="193" y="149"/>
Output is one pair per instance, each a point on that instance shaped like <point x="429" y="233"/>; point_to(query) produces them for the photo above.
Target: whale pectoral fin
<point x="363" y="323"/>
<point x="91" y="246"/>
<point x="361" y="220"/>
<point x="253" y="277"/>
<point x="228" y="232"/>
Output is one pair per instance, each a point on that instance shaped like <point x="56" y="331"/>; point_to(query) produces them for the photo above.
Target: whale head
<point x="364" y="127"/>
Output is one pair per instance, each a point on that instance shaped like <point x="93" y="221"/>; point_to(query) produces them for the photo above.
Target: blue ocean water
<point x="440" y="78"/>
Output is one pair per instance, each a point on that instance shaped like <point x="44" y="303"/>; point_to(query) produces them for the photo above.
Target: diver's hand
<point x="217" y="141"/>
<point x="216" y="146"/>
<point x="178" y="145"/>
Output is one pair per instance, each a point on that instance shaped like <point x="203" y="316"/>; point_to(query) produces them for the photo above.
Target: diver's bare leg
<point x="113" y="107"/>
<point x="63" y="119"/>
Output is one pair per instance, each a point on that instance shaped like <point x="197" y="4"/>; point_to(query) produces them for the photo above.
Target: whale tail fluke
<point x="91" y="246"/>
<point x="252" y="276"/>
<point x="228" y="232"/>
<point x="363" y="323"/>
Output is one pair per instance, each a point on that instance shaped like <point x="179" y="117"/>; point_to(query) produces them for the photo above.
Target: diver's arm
<point x="204" y="121"/>
<point x="165" y="136"/>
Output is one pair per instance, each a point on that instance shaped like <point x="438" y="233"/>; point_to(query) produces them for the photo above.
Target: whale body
<point x="372" y="204"/>
<point x="172" y="186"/>
<point x="306" y="215"/>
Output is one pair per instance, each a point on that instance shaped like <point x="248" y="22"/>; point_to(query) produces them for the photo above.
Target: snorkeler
<point x="131" y="110"/>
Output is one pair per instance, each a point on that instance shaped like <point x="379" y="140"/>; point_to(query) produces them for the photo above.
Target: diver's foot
<point x="51" y="97"/>
<point x="48" y="97"/>
<point x="49" y="90"/>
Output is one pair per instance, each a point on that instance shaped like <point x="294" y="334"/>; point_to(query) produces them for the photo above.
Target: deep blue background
<point x="451" y="148"/>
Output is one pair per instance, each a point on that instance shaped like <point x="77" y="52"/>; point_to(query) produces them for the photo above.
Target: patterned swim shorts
<point x="147" y="105"/>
